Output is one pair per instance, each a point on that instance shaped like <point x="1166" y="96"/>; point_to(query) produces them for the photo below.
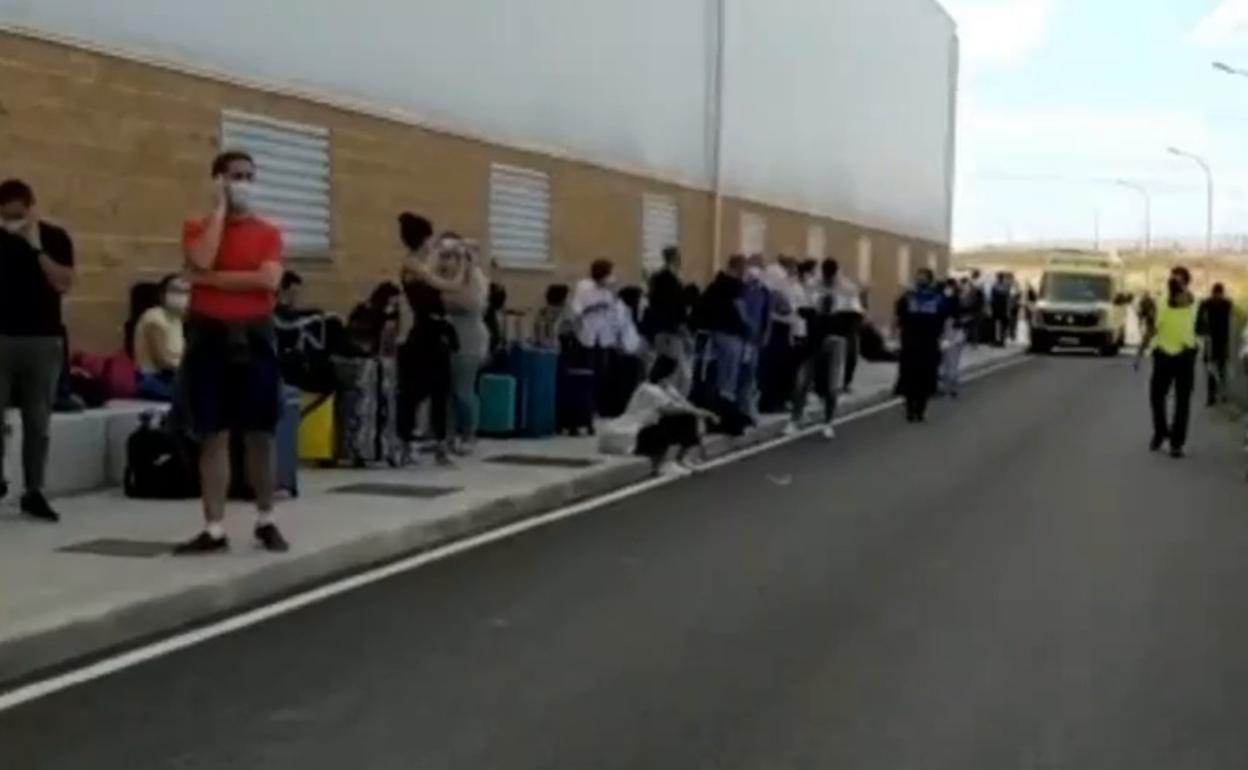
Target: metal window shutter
<point x="292" y="177"/>
<point x="519" y="216"/>
<point x="660" y="228"/>
<point x="864" y="261"/>
<point x="904" y="267"/>
<point x="816" y="242"/>
<point x="753" y="234"/>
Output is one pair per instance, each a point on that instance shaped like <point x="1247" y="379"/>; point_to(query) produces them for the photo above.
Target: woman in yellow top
<point x="159" y="340"/>
<point x="1173" y="340"/>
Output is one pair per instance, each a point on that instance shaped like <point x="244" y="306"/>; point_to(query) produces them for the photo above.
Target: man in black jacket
<point x="1214" y="324"/>
<point x="723" y="316"/>
<point x="36" y="270"/>
<point x="666" y="325"/>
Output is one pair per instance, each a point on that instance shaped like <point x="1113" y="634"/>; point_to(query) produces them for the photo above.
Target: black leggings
<point x="849" y="327"/>
<point x="1177" y="372"/>
<point x="679" y="430"/>
<point x="424" y="376"/>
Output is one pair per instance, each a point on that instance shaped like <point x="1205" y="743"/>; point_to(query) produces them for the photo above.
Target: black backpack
<point x="161" y="462"/>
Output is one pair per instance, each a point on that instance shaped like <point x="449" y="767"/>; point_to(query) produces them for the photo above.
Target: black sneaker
<point x="1156" y="443"/>
<point x="271" y="539"/>
<point x="203" y="543"/>
<point x="36" y="506"/>
<point x="4" y="489"/>
<point x="1177" y="453"/>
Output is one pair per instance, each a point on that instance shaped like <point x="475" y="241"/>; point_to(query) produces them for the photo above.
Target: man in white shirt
<point x="594" y="307"/>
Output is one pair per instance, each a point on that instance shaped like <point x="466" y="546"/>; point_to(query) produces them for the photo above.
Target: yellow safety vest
<point x="1176" y="329"/>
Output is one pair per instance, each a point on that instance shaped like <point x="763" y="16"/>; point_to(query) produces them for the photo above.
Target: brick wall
<point x="118" y="152"/>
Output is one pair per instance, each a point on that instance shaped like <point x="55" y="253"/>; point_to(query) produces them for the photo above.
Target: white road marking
<point x="139" y="655"/>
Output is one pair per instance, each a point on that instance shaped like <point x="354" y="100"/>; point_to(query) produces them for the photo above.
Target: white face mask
<point x="242" y="195"/>
<point x="16" y="226"/>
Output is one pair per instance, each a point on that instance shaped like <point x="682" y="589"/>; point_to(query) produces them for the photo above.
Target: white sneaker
<point x="828" y="432"/>
<point x="790" y="429"/>
<point x="673" y="468"/>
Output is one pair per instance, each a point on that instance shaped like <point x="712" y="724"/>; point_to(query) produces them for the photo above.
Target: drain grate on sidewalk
<point x="543" y="461"/>
<point x="127" y="549"/>
<point x="407" y="491"/>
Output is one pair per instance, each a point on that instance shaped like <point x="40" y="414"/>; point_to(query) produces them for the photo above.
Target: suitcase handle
<point x="321" y="400"/>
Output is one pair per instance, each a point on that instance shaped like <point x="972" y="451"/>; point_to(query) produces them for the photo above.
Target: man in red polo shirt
<point x="230" y="372"/>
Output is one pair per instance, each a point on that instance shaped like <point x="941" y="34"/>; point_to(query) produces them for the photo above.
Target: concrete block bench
<point x="88" y="448"/>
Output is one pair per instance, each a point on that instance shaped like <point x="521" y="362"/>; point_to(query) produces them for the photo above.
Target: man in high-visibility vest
<point x="1174" y="344"/>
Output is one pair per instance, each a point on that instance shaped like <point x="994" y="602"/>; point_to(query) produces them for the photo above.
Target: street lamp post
<point x="1208" y="194"/>
<point x="1221" y="66"/>
<point x="1148" y="210"/>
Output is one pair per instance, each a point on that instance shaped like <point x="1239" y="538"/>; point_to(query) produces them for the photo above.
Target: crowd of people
<point x="659" y="365"/>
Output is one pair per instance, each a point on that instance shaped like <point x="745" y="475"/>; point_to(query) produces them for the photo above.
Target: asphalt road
<point x="1017" y="584"/>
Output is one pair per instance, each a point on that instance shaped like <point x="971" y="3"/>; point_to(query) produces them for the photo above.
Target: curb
<point x="44" y="651"/>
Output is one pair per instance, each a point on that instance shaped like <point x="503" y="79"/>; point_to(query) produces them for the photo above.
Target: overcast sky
<point x="1061" y="96"/>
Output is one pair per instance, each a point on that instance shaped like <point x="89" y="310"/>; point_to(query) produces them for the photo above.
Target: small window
<point x="660" y="228"/>
<point x="864" y="261"/>
<point x="816" y="242"/>
<point x="519" y="217"/>
<point x="292" y="177"/>
<point x="753" y="233"/>
<point x="904" y="266"/>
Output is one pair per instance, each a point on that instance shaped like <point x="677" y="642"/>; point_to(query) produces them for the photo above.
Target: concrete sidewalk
<point x="103" y="579"/>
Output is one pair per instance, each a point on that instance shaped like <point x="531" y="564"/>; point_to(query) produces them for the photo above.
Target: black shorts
<point x="231" y="379"/>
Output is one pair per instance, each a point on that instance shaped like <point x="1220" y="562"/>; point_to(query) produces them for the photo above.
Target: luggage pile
<point x="519" y="389"/>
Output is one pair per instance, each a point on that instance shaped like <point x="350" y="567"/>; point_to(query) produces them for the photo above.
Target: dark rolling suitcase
<point x="576" y="404"/>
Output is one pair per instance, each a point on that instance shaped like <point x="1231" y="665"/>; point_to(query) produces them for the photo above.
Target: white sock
<point x="264" y="519"/>
<point x="215" y="530"/>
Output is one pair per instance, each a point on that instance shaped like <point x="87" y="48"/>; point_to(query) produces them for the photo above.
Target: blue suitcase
<point x="498" y="405"/>
<point x="286" y="442"/>
<point x="537" y="373"/>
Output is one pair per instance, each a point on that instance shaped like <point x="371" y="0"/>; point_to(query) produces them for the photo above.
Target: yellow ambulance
<point x="1082" y="303"/>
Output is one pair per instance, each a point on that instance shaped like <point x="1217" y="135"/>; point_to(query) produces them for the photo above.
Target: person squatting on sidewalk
<point x="1173" y="340"/>
<point x="662" y="418"/>
<point x="36" y="269"/>
<point x="230" y="369"/>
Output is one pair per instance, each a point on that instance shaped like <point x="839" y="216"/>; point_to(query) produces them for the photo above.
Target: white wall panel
<point x="842" y="108"/>
<point x="622" y="82"/>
